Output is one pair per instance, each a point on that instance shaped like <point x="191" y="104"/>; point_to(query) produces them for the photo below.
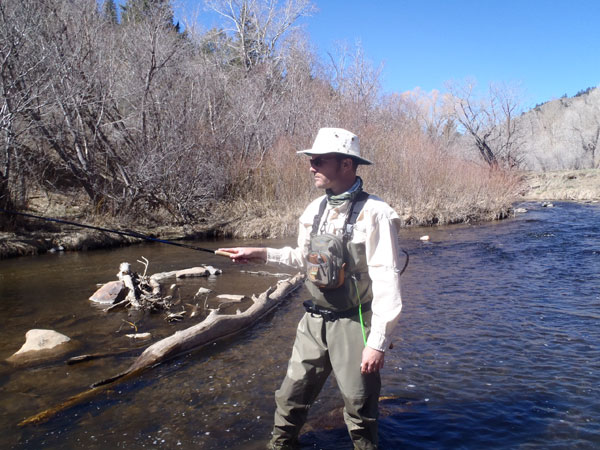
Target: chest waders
<point x="337" y="272"/>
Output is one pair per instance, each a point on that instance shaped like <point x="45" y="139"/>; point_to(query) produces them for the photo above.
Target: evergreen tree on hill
<point x="109" y="9"/>
<point x="134" y="11"/>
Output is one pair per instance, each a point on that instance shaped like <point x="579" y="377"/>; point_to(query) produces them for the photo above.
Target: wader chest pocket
<point x="325" y="261"/>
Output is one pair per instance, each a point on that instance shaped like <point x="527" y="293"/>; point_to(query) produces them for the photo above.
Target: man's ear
<point x="349" y="163"/>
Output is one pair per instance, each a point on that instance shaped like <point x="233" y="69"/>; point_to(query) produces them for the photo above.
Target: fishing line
<point x="123" y="233"/>
<point x="143" y="236"/>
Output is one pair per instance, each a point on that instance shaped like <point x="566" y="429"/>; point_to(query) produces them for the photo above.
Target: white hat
<point x="336" y="140"/>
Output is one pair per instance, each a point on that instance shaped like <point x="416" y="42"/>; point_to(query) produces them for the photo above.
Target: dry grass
<point x="270" y="202"/>
<point x="425" y="185"/>
<point x="581" y="185"/>
<point x="254" y="219"/>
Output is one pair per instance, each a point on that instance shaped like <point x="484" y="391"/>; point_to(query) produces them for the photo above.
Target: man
<point x="332" y="335"/>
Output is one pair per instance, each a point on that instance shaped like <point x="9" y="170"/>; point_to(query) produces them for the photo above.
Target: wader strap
<point x="355" y="209"/>
<point x="317" y="219"/>
<point x="331" y="316"/>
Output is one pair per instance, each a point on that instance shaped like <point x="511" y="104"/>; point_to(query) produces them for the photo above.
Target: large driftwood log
<point x="215" y="327"/>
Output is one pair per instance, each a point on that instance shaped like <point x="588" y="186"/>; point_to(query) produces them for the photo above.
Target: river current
<point x="498" y="347"/>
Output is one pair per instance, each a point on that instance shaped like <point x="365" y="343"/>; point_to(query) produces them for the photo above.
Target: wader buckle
<point x="331" y="316"/>
<point x="326" y="314"/>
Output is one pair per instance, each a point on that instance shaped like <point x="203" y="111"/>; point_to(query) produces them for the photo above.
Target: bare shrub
<point x="427" y="186"/>
<point x="410" y="141"/>
<point x="159" y="126"/>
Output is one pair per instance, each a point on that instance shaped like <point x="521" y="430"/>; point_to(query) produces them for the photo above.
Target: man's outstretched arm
<point x="246" y="254"/>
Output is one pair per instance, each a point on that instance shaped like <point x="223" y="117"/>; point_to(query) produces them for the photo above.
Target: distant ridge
<point x="563" y="133"/>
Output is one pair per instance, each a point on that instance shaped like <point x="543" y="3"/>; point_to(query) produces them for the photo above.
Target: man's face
<point x="325" y="169"/>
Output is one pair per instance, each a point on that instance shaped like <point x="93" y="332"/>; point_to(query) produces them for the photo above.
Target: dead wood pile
<point x="215" y="327"/>
<point x="143" y="292"/>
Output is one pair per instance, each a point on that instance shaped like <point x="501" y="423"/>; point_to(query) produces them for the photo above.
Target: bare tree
<point x="22" y="83"/>
<point x="70" y="124"/>
<point x="258" y="25"/>
<point x="432" y="111"/>
<point x="109" y="9"/>
<point x="356" y="81"/>
<point x="586" y="130"/>
<point x="152" y="123"/>
<point x="491" y="121"/>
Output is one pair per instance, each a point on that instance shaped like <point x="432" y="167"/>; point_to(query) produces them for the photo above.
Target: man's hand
<point x="246" y="254"/>
<point x="372" y="360"/>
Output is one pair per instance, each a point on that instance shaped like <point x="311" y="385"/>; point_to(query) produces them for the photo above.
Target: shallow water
<point x="498" y="347"/>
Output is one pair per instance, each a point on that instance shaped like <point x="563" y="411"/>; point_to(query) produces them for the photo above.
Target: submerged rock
<point x="111" y="292"/>
<point x="203" y="271"/>
<point x="193" y="272"/>
<point x="37" y="339"/>
<point x="213" y="270"/>
<point x="41" y="345"/>
<point x="163" y="275"/>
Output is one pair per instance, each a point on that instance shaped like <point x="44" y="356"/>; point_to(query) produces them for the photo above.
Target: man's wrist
<point x="377" y="341"/>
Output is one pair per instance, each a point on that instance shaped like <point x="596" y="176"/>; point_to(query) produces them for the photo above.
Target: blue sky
<point x="548" y="48"/>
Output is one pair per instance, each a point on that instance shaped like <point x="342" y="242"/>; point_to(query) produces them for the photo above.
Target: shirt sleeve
<point x="292" y="257"/>
<point x="296" y="257"/>
<point x="384" y="267"/>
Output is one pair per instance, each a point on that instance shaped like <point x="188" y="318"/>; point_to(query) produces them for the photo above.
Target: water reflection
<point x="498" y="346"/>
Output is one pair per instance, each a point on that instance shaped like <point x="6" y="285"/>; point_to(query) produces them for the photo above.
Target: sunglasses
<point x="320" y="160"/>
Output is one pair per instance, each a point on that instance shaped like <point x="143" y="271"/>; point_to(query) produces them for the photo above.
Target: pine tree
<point x="138" y="10"/>
<point x="109" y="9"/>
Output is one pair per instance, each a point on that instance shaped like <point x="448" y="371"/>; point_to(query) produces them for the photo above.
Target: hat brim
<point x="358" y="159"/>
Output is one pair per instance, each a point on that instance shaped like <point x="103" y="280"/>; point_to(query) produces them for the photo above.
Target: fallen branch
<point x="91" y="356"/>
<point x="215" y="327"/>
<point x="264" y="273"/>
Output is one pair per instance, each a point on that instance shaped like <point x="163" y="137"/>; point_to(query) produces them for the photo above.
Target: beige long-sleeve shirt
<point x="377" y="226"/>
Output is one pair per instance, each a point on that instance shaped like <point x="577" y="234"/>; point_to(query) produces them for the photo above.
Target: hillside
<point x="563" y="133"/>
<point x="578" y="185"/>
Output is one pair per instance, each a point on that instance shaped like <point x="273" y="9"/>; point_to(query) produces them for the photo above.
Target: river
<point x="498" y="347"/>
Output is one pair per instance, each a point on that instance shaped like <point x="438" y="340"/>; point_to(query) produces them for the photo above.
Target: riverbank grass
<point x="577" y="185"/>
<point x="460" y="193"/>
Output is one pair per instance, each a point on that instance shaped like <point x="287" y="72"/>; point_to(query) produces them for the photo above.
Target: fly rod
<point x="123" y="233"/>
